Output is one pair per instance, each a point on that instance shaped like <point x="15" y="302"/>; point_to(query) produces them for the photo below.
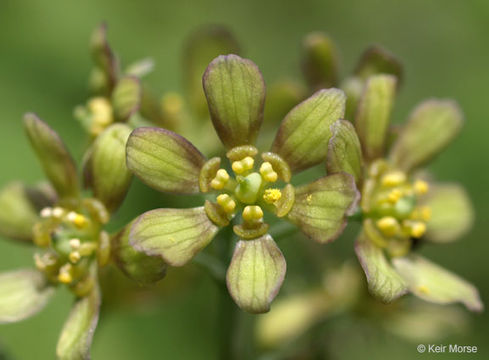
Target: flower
<point x="400" y="207"/>
<point x="68" y="229"/>
<point x="235" y="93"/>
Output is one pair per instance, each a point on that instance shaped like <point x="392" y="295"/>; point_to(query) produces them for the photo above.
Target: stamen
<point x="87" y="248"/>
<point x="65" y="274"/>
<point x="267" y="172"/>
<point x="394" y="196"/>
<point x="388" y="226"/>
<point x="46" y="212"/>
<point x="76" y="219"/>
<point x="220" y="180"/>
<point x="418" y="229"/>
<point x="74" y="257"/>
<point x="58" y="212"/>
<point x="239" y="167"/>
<point x="226" y="203"/>
<point x="426" y="213"/>
<point x="421" y="187"/>
<point x="272" y="195"/>
<point x="75" y="243"/>
<point x="394" y="178"/>
<point x="252" y="213"/>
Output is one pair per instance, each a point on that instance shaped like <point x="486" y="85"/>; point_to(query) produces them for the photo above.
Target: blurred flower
<point x="69" y="230"/>
<point x="235" y="94"/>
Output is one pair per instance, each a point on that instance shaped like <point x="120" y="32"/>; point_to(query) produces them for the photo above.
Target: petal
<point x="255" y="274"/>
<point x="103" y="56"/>
<point x="344" y="151"/>
<point x="384" y="282"/>
<point x="23" y="293"/>
<point x="164" y="160"/>
<point x="433" y="283"/>
<point x="77" y="334"/>
<point x="136" y="265"/>
<point x="302" y="139"/>
<point x="431" y="127"/>
<point x="235" y="93"/>
<point x="203" y="45"/>
<point x="320" y="61"/>
<point x="55" y="159"/>
<point x="106" y="171"/>
<point x="377" y="60"/>
<point x="321" y="207"/>
<point x="373" y="114"/>
<point x="452" y="214"/>
<point x="126" y="97"/>
<point x="176" y="235"/>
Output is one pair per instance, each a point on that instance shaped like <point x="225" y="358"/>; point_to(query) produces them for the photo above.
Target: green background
<point x="44" y="66"/>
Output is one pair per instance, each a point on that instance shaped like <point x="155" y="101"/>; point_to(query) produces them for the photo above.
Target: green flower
<point x="235" y="94"/>
<point x="68" y="229"/>
<point x="400" y="208"/>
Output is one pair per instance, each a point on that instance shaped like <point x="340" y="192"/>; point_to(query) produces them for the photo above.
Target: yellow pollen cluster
<point x="220" y="180"/>
<point x="267" y="172"/>
<point x="65" y="275"/>
<point x="252" y="213"/>
<point x="78" y="220"/>
<point x="388" y="225"/>
<point x="394" y="178"/>
<point x="102" y="114"/>
<point x="272" y="195"/>
<point x="418" y="229"/>
<point x="421" y="187"/>
<point x="394" y="196"/>
<point x="421" y="213"/>
<point x="239" y="167"/>
<point x="226" y="203"/>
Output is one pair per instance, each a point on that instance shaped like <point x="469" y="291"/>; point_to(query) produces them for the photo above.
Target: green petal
<point x="23" y="293"/>
<point x="431" y="127"/>
<point x="321" y="207"/>
<point x="126" y="97"/>
<point x="235" y="93"/>
<point x="138" y="266"/>
<point x="106" y="171"/>
<point x="377" y="60"/>
<point x="433" y="283"/>
<point x="452" y="214"/>
<point x="202" y="46"/>
<point x="255" y="274"/>
<point x="77" y="334"/>
<point x="384" y="282"/>
<point x="302" y="139"/>
<point x="55" y="159"/>
<point x="344" y="151"/>
<point x="164" y="160"/>
<point x="103" y="56"/>
<point x="373" y="114"/>
<point x="176" y="235"/>
<point x="320" y="61"/>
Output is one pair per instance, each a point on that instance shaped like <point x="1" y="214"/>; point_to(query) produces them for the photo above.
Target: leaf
<point x="126" y="97"/>
<point x="76" y="337"/>
<point x="431" y="127"/>
<point x="384" y="282"/>
<point x="302" y="139"/>
<point x="344" y="151"/>
<point x="106" y="171"/>
<point x="164" y="160"/>
<point x="176" y="235"/>
<point x="235" y="93"/>
<point x="433" y="283"/>
<point x="55" y="159"/>
<point x="23" y="293"/>
<point x="321" y="207"/>
<point x="255" y="274"/>
<point x="373" y="114"/>
<point x="320" y="61"/>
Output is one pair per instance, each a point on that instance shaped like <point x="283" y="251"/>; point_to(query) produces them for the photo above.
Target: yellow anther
<point x="394" y="196"/>
<point x="46" y="212"/>
<point x="252" y="213"/>
<point x="220" y="180"/>
<point x="75" y="243"/>
<point x="76" y="219"/>
<point x="58" y="212"/>
<point x="101" y="110"/>
<point x="418" y="229"/>
<point x="74" y="256"/>
<point x="241" y="166"/>
<point x="394" y="178"/>
<point x="272" y="195"/>
<point x="423" y="289"/>
<point x="65" y="274"/>
<point x="267" y="172"/>
<point x="388" y="226"/>
<point x="425" y="213"/>
<point x="227" y="203"/>
<point x="421" y="187"/>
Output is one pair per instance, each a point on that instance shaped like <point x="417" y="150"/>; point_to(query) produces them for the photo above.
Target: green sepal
<point x="321" y="207"/>
<point x="105" y="170"/>
<point x="377" y="60"/>
<point x="126" y="97"/>
<point x="282" y="96"/>
<point x="255" y="274"/>
<point x="23" y="293"/>
<point x="433" y="283"/>
<point x="202" y="46"/>
<point x="77" y="333"/>
<point x="452" y="213"/>
<point x="353" y="88"/>
<point x="373" y="114"/>
<point x="104" y="59"/>
<point x="302" y="139"/>
<point x="136" y="265"/>
<point x="320" y="61"/>
<point x="56" y="161"/>
<point x="176" y="235"/>
<point x="384" y="283"/>
<point x="344" y="151"/>
<point x="235" y="93"/>
<point x="164" y="160"/>
<point x="431" y="127"/>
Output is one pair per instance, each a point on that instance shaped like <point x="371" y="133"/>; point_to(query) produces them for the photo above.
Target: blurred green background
<point x="44" y="65"/>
